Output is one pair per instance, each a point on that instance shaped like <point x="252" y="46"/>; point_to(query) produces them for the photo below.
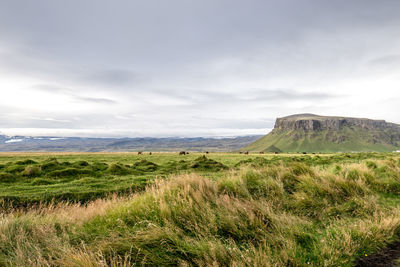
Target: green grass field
<point x="219" y="209"/>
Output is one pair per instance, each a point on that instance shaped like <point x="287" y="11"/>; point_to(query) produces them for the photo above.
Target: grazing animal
<point x="206" y="152"/>
<point x="304" y="152"/>
<point x="182" y="153"/>
<point x="150" y="153"/>
<point x="246" y="152"/>
<point x="240" y="152"/>
<point x="276" y="152"/>
<point x="261" y="152"/>
<point x="140" y="153"/>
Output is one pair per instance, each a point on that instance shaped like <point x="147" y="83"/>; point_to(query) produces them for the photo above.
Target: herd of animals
<point x="186" y="153"/>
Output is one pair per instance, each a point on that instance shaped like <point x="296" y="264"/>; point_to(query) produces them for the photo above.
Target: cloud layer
<point x="193" y="68"/>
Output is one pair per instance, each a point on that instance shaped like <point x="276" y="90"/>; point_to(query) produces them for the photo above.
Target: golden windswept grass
<point x="283" y="215"/>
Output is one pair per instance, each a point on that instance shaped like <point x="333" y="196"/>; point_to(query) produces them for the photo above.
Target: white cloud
<point x="194" y="68"/>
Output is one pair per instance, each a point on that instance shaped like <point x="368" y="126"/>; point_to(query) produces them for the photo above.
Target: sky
<point x="128" y="68"/>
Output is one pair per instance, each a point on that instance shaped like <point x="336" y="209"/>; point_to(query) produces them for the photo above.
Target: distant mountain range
<point x="314" y="133"/>
<point x="78" y="144"/>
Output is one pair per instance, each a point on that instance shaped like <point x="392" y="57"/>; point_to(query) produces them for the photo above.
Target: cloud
<point x="112" y="78"/>
<point x="94" y="100"/>
<point x="285" y="94"/>
<point x="70" y="93"/>
<point x="51" y="119"/>
<point x="386" y="60"/>
<point x="187" y="67"/>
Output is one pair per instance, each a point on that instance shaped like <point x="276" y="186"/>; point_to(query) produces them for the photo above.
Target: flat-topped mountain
<point x="315" y="133"/>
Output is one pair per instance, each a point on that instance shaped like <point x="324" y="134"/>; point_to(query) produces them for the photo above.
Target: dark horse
<point x="182" y="153"/>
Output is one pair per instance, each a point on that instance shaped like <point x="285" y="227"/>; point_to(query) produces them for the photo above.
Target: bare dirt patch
<point x="385" y="258"/>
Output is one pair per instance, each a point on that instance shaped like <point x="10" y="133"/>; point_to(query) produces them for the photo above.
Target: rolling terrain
<point x="314" y="133"/>
<point x="81" y="144"/>
<point x="219" y="209"/>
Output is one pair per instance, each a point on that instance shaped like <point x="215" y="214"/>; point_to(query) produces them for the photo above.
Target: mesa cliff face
<point x="310" y="122"/>
<point x="314" y="133"/>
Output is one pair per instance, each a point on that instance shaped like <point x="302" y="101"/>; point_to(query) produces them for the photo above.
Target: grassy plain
<point x="124" y="209"/>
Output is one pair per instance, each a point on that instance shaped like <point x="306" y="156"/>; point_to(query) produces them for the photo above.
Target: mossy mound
<point x="81" y="163"/>
<point x="118" y="169"/>
<point x="171" y="166"/>
<point x="145" y="165"/>
<point x="50" y="165"/>
<point x="254" y="162"/>
<point x="69" y="172"/>
<point x="26" y="162"/>
<point x="6" y="177"/>
<point x="99" y="166"/>
<point x="32" y="171"/>
<point x="205" y="164"/>
<point x="13" y="168"/>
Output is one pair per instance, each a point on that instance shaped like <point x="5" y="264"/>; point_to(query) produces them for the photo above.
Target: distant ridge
<point x="81" y="144"/>
<point x="316" y="133"/>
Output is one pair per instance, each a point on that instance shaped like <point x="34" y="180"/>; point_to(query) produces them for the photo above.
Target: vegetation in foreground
<point x="263" y="211"/>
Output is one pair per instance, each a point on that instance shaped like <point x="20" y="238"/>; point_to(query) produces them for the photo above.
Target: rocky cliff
<point x="311" y="122"/>
<point x="314" y="133"/>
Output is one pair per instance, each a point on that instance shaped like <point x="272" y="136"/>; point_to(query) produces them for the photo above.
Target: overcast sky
<point x="193" y="68"/>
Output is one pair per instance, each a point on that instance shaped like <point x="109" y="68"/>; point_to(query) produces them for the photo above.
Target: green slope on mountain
<point x="312" y="133"/>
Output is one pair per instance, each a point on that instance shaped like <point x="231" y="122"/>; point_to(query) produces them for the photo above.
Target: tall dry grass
<point x="285" y="215"/>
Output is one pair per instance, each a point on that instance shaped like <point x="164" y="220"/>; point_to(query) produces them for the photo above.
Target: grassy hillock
<point x="24" y="182"/>
<point x="33" y="179"/>
<point x="287" y="210"/>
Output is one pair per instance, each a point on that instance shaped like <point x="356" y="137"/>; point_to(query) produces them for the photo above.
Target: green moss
<point x="145" y="165"/>
<point x="99" y="166"/>
<point x="69" y="172"/>
<point x="50" y="165"/>
<point x="14" y="168"/>
<point x="26" y="162"/>
<point x="7" y="177"/>
<point x="205" y="164"/>
<point x="118" y="169"/>
<point x="32" y="171"/>
<point x="81" y="163"/>
<point x="42" y="181"/>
